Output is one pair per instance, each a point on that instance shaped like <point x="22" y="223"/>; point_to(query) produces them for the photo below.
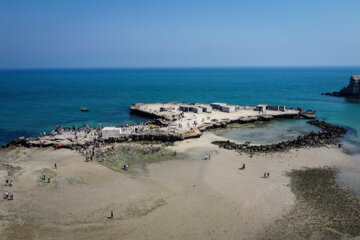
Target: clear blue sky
<point x="86" y="33"/>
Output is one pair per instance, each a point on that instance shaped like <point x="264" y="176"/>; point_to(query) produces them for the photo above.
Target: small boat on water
<point x="84" y="109"/>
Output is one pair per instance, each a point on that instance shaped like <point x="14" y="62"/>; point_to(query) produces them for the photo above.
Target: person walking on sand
<point x="48" y="180"/>
<point x="268" y="175"/>
<point x="243" y="167"/>
<point x="11" y="196"/>
<point x="264" y="174"/>
<point x="111" y="215"/>
<point x="55" y="165"/>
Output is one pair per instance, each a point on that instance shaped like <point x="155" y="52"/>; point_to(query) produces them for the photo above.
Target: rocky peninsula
<point x="169" y="122"/>
<point x="351" y="91"/>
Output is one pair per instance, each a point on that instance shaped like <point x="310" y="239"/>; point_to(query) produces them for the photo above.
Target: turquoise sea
<point x="34" y="101"/>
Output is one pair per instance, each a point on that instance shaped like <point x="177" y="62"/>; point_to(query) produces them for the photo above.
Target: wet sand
<point x="182" y="198"/>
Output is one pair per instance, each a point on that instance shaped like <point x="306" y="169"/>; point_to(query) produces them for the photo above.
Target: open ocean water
<point x="34" y="101"/>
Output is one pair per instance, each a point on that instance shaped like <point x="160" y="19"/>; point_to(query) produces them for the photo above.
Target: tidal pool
<point x="260" y="133"/>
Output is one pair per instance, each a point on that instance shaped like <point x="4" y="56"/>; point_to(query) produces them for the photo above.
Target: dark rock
<point x="351" y="91"/>
<point x="18" y="142"/>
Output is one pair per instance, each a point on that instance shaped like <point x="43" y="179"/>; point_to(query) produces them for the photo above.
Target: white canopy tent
<point x="111" y="132"/>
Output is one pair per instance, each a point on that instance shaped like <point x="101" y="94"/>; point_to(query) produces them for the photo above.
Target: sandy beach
<point x="186" y="120"/>
<point x="183" y="198"/>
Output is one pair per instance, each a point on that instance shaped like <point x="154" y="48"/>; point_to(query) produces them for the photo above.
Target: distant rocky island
<point x="351" y="91"/>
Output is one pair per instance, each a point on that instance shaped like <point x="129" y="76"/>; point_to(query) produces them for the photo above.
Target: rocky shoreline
<point x="151" y="137"/>
<point x="60" y="143"/>
<point x="329" y="134"/>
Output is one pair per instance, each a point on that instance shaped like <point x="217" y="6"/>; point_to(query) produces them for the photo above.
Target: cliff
<point x="351" y="91"/>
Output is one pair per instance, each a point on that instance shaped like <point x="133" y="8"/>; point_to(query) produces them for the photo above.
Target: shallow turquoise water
<point x="34" y="101"/>
<point x="267" y="133"/>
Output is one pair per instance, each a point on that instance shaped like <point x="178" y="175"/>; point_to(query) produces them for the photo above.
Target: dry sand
<point x="188" y="198"/>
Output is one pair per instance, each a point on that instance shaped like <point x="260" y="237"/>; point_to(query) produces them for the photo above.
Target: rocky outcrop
<point x="166" y="125"/>
<point x="133" y="110"/>
<point x="351" y="91"/>
<point x="17" y="142"/>
<point x="64" y="143"/>
<point x="152" y="135"/>
<point x="329" y="134"/>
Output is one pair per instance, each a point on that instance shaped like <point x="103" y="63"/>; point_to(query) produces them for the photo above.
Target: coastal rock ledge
<point x="351" y="91"/>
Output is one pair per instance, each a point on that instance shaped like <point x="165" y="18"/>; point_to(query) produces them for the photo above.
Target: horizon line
<point x="171" y="67"/>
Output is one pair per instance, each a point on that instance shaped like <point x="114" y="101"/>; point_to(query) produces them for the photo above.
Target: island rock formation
<point x="351" y="91"/>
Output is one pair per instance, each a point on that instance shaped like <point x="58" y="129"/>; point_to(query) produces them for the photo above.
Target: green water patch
<point x="200" y="152"/>
<point x="33" y="230"/>
<point x="10" y="169"/>
<point x="6" y="163"/>
<point x="76" y="180"/>
<point x="323" y="210"/>
<point x="138" y="156"/>
<point x="48" y="172"/>
<point x="143" y="208"/>
<point x="22" y="230"/>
